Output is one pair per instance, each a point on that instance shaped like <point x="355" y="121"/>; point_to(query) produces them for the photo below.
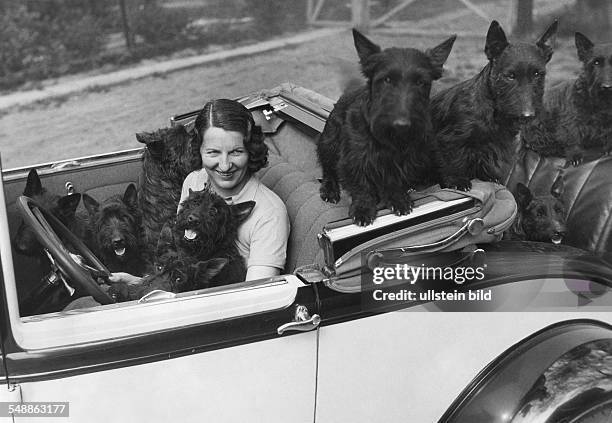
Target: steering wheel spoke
<point x="81" y="268"/>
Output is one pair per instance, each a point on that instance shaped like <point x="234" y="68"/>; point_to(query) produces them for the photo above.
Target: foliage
<point x="156" y="24"/>
<point x="35" y="45"/>
<point x="276" y="16"/>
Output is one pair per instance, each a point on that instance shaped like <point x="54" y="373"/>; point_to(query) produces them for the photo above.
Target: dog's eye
<point x="160" y="268"/>
<point x="539" y="74"/>
<point x="511" y="75"/>
<point x="420" y="82"/>
<point x="178" y="279"/>
<point x="597" y="62"/>
<point x="387" y="80"/>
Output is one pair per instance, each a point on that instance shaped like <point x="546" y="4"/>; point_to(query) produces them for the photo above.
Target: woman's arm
<point x="261" y="272"/>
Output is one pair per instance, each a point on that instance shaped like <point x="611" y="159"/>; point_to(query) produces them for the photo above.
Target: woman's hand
<point x="123" y="277"/>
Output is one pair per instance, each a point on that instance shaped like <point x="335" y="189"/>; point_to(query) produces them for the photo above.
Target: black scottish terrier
<point x="62" y="207"/>
<point x="169" y="157"/>
<point x="206" y="228"/>
<point x="376" y="142"/>
<point x="541" y="217"/>
<point x="177" y="276"/>
<point x="578" y="113"/>
<point x="117" y="237"/>
<point x="476" y="121"/>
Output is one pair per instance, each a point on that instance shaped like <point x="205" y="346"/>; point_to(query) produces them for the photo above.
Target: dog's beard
<point x="401" y="138"/>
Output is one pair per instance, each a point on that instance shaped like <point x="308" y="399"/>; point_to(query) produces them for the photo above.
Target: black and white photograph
<point x="306" y="211"/>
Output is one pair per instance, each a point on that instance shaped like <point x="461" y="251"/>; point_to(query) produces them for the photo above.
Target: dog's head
<point x="206" y="223"/>
<point x="115" y="223"/>
<point x="399" y="83"/>
<point x="62" y="207"/>
<point x="597" y="69"/>
<point x="543" y="216"/>
<point x="517" y="72"/>
<point x="171" y="149"/>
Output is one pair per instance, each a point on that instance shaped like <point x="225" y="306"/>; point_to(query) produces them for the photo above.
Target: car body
<point x="226" y="354"/>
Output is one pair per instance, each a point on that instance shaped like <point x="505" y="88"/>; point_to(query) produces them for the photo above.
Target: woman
<point x="232" y="149"/>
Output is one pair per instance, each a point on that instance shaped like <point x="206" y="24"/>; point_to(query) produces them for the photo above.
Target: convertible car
<point x="529" y="341"/>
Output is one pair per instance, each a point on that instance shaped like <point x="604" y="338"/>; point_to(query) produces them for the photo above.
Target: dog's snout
<point x="606" y="86"/>
<point x="192" y="219"/>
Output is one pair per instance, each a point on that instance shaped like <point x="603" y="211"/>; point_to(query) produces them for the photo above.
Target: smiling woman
<point x="232" y="150"/>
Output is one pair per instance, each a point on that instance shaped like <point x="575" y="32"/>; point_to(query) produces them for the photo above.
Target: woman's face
<point x="225" y="159"/>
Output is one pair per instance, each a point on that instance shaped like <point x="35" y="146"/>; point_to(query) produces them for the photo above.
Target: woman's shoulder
<point x="268" y="197"/>
<point x="196" y="177"/>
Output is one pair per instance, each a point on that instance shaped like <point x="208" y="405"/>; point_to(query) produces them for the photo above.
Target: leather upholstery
<point x="587" y="195"/>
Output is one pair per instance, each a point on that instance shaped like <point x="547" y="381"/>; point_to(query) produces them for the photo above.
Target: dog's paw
<point x="401" y="206"/>
<point x="362" y="215"/>
<point x="457" y="182"/>
<point x="330" y="192"/>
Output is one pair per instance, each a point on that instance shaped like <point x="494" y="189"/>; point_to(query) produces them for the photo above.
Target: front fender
<point x="562" y="373"/>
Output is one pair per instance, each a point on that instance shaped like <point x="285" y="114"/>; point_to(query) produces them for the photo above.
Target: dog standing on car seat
<point x="207" y="227"/>
<point x="376" y="142"/>
<point x="578" y="113"/>
<point x="540" y="217"/>
<point x="476" y="121"/>
<point x="167" y="160"/>
<point x="115" y="224"/>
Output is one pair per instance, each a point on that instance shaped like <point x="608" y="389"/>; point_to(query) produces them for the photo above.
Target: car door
<point x="209" y="355"/>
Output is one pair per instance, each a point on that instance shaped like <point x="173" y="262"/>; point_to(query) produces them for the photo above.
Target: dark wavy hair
<point x="233" y="116"/>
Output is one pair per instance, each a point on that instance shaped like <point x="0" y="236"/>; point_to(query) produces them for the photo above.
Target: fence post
<point x="129" y="37"/>
<point x="360" y="13"/>
<point x="521" y="17"/>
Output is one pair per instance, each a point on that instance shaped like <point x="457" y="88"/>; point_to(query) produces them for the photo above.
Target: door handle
<point x="302" y="321"/>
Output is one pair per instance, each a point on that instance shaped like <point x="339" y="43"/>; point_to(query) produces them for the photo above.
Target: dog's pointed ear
<point x="165" y="245"/>
<point x="206" y="270"/>
<point x="439" y="54"/>
<point x="365" y="48"/>
<point x="523" y="196"/>
<point x="242" y="210"/>
<point x="496" y="41"/>
<point x="547" y="40"/>
<point x="145" y="137"/>
<point x="33" y="185"/>
<point x="558" y="187"/>
<point x="584" y="47"/>
<point x="130" y="197"/>
<point x="165" y="235"/>
<point x="91" y="205"/>
<point x="68" y="204"/>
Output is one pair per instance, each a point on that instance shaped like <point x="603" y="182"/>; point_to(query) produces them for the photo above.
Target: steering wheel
<point x="46" y="228"/>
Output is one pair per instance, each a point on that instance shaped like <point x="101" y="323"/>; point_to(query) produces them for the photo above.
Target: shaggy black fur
<point x="376" y="142"/>
<point x="578" y="113"/>
<point x="177" y="276"/>
<point x="115" y="224"/>
<point x="541" y="217"/>
<point x="169" y="157"/>
<point x="62" y="207"/>
<point x="207" y="227"/>
<point x="476" y="121"/>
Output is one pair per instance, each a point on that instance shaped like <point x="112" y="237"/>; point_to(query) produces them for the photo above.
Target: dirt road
<point x="105" y="120"/>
